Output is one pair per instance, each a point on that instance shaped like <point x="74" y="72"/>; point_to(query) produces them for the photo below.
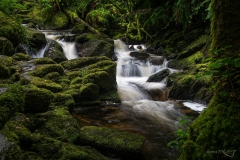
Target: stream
<point x="145" y="108"/>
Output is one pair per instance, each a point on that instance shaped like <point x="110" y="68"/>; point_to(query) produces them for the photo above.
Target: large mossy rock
<point x="7" y="66"/>
<point x="43" y="70"/>
<point x="47" y="84"/>
<point x="21" y="57"/>
<point x="112" y="141"/>
<point x="59" y="124"/>
<point x="195" y="46"/>
<point x="78" y="29"/>
<point x="159" y="76"/>
<point x="37" y="99"/>
<point x="11" y="101"/>
<point x="27" y="144"/>
<point x="82" y="62"/>
<point x="11" y="29"/>
<point x="56" y="21"/>
<point x="6" y="47"/>
<point x="36" y="38"/>
<point x="186" y="86"/>
<point x="55" y="52"/>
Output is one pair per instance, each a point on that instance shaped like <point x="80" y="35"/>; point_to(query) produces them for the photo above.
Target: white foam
<point x="195" y="106"/>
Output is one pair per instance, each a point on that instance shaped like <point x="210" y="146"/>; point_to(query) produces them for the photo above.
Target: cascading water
<point x="68" y="47"/>
<point x="156" y="118"/>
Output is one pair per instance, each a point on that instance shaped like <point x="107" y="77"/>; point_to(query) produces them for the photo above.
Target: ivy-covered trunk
<point x="215" y="133"/>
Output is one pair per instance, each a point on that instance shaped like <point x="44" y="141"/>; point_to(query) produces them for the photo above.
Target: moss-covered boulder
<point x="56" y="21"/>
<point x="62" y="99"/>
<point x="82" y="62"/>
<point x="59" y="124"/>
<point x="7" y="67"/>
<point x="44" y="60"/>
<point x="47" y="84"/>
<point x="159" y="76"/>
<point x="21" y="57"/>
<point x="79" y="29"/>
<point x="186" y="86"/>
<point x="28" y="143"/>
<point x="43" y="70"/>
<point x="6" y="47"/>
<point x="102" y="79"/>
<point x="37" y="100"/>
<point x="55" y="52"/>
<point x="36" y="38"/>
<point x="113" y="141"/>
<point x="195" y="46"/>
<point x="11" y="29"/>
<point x="11" y="101"/>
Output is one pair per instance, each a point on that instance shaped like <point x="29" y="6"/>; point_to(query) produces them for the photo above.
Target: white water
<point x="68" y="47"/>
<point x="133" y="89"/>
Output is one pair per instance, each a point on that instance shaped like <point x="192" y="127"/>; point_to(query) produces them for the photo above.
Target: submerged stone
<point x="159" y="76"/>
<point x="113" y="141"/>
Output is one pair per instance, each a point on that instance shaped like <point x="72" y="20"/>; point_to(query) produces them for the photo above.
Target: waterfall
<point x="68" y="47"/>
<point x="133" y="89"/>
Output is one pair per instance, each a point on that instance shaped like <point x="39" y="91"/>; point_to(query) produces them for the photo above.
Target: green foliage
<point x="184" y="10"/>
<point x="9" y="6"/>
<point x="182" y="133"/>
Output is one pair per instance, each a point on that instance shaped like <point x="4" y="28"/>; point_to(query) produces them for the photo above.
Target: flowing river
<point x="145" y="108"/>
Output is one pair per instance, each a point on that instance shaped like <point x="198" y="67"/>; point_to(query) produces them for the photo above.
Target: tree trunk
<point x="215" y="133"/>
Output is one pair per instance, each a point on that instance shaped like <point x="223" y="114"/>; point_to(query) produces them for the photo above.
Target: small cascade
<point x="68" y="47"/>
<point x="146" y="103"/>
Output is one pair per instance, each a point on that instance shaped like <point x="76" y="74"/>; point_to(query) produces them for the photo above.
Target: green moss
<point x="54" y="76"/>
<point x="6" y="66"/>
<point x="76" y="80"/>
<point x="62" y="99"/>
<point x="44" y="60"/>
<point x="89" y="90"/>
<point x="82" y="62"/>
<point x="43" y="70"/>
<point x="21" y="57"/>
<point x="6" y="47"/>
<point x="11" y="101"/>
<point x="78" y="29"/>
<point x="72" y="152"/>
<point x="102" y="79"/>
<point x="60" y="125"/>
<point x="11" y="29"/>
<point x="57" y="20"/>
<point x="47" y="84"/>
<point x="114" y="141"/>
<point x="37" y="100"/>
<point x="195" y="46"/>
<point x="36" y="38"/>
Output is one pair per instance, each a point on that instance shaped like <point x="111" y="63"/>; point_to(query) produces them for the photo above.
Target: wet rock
<point x="159" y="76"/>
<point x="55" y="52"/>
<point x="36" y="38"/>
<point x="156" y="60"/>
<point x="113" y="141"/>
<point x="5" y="145"/>
<point x="139" y="55"/>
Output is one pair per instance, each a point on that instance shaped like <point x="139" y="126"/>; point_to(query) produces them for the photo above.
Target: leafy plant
<point x="9" y="6"/>
<point x="182" y="133"/>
